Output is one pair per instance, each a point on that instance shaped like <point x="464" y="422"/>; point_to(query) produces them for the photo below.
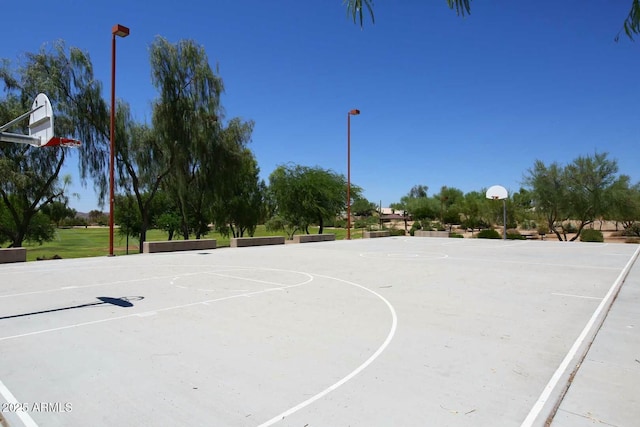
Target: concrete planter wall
<point x="178" y="245"/>
<point x="241" y="242"/>
<point x="422" y="233"/>
<point x="8" y="255"/>
<point x="373" y="234"/>
<point x="307" y="238"/>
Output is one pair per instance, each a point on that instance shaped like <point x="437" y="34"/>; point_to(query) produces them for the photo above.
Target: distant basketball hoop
<point x="498" y="192"/>
<point x="40" y="127"/>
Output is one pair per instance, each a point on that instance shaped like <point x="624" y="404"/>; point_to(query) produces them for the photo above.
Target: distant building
<point x="390" y="214"/>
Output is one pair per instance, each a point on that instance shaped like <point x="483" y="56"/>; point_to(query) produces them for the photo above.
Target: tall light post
<point x="349" y="114"/>
<point x="120" y="31"/>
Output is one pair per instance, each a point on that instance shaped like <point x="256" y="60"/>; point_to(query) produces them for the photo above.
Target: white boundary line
<point x="176" y="307"/>
<point x="117" y="282"/>
<point x="574" y="296"/>
<point x="10" y="398"/>
<point x="402" y="256"/>
<point x="355" y="372"/>
<point x="559" y="373"/>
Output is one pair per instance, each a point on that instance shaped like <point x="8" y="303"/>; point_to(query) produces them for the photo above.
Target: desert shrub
<point x="542" y="229"/>
<point x="437" y="226"/>
<point x="340" y="223"/>
<point x="633" y="230"/>
<point x="360" y="223"/>
<point x="488" y="234"/>
<point x="396" y="232"/>
<point x="569" y="227"/>
<point x="330" y="222"/>
<point x="514" y="235"/>
<point x="473" y="224"/>
<point x="275" y="224"/>
<point x="590" y="235"/>
<point x="456" y="235"/>
<point x="416" y="226"/>
<point x="74" y="222"/>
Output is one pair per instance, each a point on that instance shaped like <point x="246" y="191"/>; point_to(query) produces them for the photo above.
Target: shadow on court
<point x="124" y="302"/>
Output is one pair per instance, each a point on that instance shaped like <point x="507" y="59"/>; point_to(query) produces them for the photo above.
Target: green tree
<point x="306" y="195"/>
<point x="240" y="205"/>
<point x="521" y="204"/>
<point x="66" y="76"/>
<point x="362" y="207"/>
<point x="581" y="191"/>
<point x="624" y="202"/>
<point x="30" y="176"/>
<point x="449" y="200"/>
<point x="355" y="8"/>
<point x="187" y="119"/>
<point x="58" y="211"/>
<point x="589" y="180"/>
<point x="97" y="217"/>
<point x="475" y="210"/>
<point x="419" y="205"/>
<point x="127" y="216"/>
<point x="29" y="181"/>
<point x="166" y="215"/>
<point x="142" y="163"/>
<point x="549" y="194"/>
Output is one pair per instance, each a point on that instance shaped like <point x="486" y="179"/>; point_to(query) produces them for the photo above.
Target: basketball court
<point x="377" y="332"/>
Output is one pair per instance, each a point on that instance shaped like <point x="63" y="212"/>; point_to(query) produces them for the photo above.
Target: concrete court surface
<point x="378" y="332"/>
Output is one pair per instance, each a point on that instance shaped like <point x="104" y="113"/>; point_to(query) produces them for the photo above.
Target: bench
<point x="178" y="245"/>
<point x="242" y="242"/>
<point x="8" y="255"/>
<point x="307" y="238"/>
<point x="374" y="234"/>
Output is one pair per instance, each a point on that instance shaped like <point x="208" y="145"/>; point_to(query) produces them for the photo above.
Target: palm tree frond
<point x="462" y="7"/>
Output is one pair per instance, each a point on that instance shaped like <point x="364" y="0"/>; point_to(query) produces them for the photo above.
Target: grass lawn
<point x="94" y="241"/>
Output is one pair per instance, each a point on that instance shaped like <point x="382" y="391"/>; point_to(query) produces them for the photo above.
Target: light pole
<point x="349" y="114"/>
<point x="120" y="31"/>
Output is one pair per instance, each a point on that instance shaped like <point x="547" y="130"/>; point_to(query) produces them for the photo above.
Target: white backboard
<point x="497" y="192"/>
<point x="41" y="119"/>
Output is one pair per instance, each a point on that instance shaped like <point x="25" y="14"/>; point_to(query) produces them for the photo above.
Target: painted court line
<point x="152" y="312"/>
<point x="543" y="264"/>
<point x="10" y="398"/>
<point x="574" y="296"/>
<point x="66" y="288"/>
<point x="555" y="379"/>
<point x="355" y="372"/>
<point x="117" y="282"/>
<point x="228" y="276"/>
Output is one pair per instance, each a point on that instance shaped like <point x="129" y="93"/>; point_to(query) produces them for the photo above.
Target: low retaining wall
<point x="307" y="238"/>
<point x="241" y="242"/>
<point x="178" y="245"/>
<point x="8" y="255"/>
<point x="373" y="234"/>
<point x="422" y="233"/>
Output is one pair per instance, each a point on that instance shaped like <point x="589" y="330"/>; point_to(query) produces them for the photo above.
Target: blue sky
<point x="463" y="102"/>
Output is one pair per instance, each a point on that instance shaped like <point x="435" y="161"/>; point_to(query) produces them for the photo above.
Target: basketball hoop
<point x="498" y="192"/>
<point x="40" y="127"/>
<point x="62" y="142"/>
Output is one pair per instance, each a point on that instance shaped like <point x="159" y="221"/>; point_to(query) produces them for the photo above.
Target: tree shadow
<point x="124" y="302"/>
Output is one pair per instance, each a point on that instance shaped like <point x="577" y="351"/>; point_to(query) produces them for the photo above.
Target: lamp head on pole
<point x="354" y="112"/>
<point x="120" y="30"/>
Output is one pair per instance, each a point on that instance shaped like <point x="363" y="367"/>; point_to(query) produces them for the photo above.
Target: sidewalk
<point x="606" y="389"/>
